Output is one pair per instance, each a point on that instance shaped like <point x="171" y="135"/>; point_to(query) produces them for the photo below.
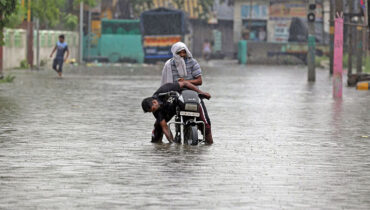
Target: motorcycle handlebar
<point x="168" y="93"/>
<point x="174" y="93"/>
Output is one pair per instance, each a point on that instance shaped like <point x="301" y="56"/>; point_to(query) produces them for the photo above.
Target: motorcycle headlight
<point x="191" y="107"/>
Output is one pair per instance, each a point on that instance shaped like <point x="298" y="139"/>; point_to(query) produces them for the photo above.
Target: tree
<point x="7" y="8"/>
<point x="47" y="11"/>
<point x="17" y="17"/>
<point x="71" y="11"/>
<point x="71" y="21"/>
<point x="207" y="8"/>
<point x="91" y="3"/>
<point x="139" y="5"/>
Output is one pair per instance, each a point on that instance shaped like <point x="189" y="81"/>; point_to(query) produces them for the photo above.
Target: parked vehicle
<point x="161" y="28"/>
<point x="120" y="41"/>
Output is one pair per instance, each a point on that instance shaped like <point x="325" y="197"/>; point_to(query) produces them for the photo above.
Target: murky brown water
<point x="280" y="143"/>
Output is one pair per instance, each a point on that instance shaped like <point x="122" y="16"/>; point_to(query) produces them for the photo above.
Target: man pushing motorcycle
<point x="164" y="109"/>
<point x="183" y="67"/>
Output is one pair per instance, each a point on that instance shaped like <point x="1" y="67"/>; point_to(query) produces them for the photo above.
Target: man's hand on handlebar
<point x="205" y="95"/>
<point x="186" y="84"/>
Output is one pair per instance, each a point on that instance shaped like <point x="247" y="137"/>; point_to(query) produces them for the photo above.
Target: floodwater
<point x="83" y="142"/>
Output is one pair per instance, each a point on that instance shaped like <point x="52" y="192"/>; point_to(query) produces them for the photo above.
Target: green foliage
<point x="91" y="3"/>
<point x="319" y="60"/>
<point x="71" y="21"/>
<point x="179" y="3"/>
<point x="24" y="64"/>
<point x="345" y="60"/>
<point x="367" y="64"/>
<point x="16" y="18"/>
<point x="7" y="8"/>
<point x="207" y="8"/>
<point x="47" y="11"/>
<point x="139" y="5"/>
<point x="8" y="79"/>
<point x="43" y="62"/>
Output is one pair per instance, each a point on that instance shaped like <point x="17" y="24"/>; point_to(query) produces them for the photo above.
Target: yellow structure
<point x="192" y="7"/>
<point x="363" y="86"/>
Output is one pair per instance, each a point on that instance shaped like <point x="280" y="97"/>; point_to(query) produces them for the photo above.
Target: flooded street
<point x="83" y="142"/>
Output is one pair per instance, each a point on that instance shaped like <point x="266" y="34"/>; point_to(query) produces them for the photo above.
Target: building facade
<point x="276" y="21"/>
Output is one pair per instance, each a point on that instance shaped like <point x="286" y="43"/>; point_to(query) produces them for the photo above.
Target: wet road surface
<point x="83" y="142"/>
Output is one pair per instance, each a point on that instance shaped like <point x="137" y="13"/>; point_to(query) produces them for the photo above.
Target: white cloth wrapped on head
<point x="167" y="76"/>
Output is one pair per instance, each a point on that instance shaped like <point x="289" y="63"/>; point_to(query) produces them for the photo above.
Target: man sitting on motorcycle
<point x="183" y="67"/>
<point x="163" y="111"/>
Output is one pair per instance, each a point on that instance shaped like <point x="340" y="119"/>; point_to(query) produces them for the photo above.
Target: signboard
<point x="280" y="31"/>
<point x="254" y="11"/>
<point x="281" y="13"/>
<point x="287" y="9"/>
<point x="284" y="9"/>
<point x="160" y="41"/>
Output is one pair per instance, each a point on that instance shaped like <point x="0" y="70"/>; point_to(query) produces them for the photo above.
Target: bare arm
<point x="55" y="48"/>
<point x="187" y="84"/>
<point x="67" y="55"/>
<point x="166" y="130"/>
<point x="197" y="81"/>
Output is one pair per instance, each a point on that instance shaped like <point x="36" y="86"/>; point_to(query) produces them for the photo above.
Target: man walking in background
<point x="61" y="47"/>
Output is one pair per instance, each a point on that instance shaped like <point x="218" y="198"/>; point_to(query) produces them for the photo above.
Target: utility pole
<point x="364" y="30"/>
<point x="38" y="44"/>
<point x="29" y="36"/>
<point x="350" y="40"/>
<point x="359" y="43"/>
<point x="1" y="59"/>
<point x="359" y="49"/>
<point x="81" y="32"/>
<point x="250" y="18"/>
<point x="1" y="62"/>
<point x="88" y="35"/>
<point x="311" y="16"/>
<point x="331" y="32"/>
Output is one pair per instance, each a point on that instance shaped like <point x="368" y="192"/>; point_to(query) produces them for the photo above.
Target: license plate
<point x="190" y="114"/>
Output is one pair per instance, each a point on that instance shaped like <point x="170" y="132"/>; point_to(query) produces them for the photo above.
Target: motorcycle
<point x="187" y="116"/>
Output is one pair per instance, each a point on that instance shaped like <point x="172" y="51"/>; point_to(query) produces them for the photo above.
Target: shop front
<point x="276" y="21"/>
<point x="276" y="29"/>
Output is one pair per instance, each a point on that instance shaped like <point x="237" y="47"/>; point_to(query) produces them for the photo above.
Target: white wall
<point x="14" y="50"/>
<point x="14" y="54"/>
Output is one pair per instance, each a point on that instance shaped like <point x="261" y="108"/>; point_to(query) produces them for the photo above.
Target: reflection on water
<point x="83" y="142"/>
<point x="8" y="111"/>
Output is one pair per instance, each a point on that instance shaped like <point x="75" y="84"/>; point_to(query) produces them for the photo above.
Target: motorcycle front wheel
<point x="191" y="135"/>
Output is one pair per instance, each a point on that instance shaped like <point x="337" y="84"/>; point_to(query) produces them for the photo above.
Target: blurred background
<point x="291" y="131"/>
<point x="142" y="31"/>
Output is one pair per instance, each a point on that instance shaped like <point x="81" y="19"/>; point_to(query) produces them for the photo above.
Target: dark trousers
<point x="205" y="111"/>
<point x="58" y="62"/>
<point x="157" y="133"/>
<point x="205" y="118"/>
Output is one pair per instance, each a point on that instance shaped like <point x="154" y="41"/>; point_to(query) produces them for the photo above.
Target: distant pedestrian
<point x="207" y="49"/>
<point x="262" y="35"/>
<point x="61" y="47"/>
